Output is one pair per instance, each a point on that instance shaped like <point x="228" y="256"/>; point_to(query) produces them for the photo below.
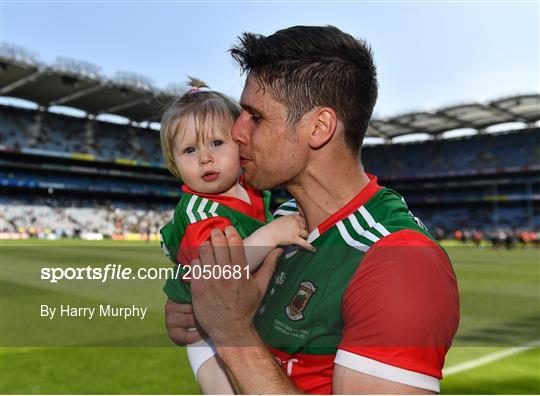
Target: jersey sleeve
<point x="197" y="233"/>
<point x="177" y="288"/>
<point x="400" y="311"/>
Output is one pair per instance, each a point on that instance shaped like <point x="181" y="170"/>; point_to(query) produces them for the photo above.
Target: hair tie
<point x="195" y="84"/>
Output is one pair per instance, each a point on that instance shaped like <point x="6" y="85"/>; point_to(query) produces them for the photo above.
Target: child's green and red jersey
<point x="194" y="218"/>
<point x="379" y="297"/>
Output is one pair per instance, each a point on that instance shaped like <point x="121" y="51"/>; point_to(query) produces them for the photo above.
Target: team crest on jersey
<point x="300" y="300"/>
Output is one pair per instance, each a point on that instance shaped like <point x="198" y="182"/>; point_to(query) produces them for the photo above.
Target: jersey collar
<point x="255" y="209"/>
<point x="360" y="199"/>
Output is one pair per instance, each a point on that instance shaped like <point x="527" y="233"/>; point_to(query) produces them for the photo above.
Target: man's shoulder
<point x="376" y="221"/>
<point x="389" y="211"/>
<point x="286" y="208"/>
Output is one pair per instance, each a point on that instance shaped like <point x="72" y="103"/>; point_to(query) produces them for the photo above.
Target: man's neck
<point x="323" y="190"/>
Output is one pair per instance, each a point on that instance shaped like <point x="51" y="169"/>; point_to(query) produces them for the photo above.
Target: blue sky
<point x="429" y="54"/>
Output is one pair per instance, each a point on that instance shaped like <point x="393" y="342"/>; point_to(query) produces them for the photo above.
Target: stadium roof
<point x="81" y="85"/>
<point x="523" y="108"/>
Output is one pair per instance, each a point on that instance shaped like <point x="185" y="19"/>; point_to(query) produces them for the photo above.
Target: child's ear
<point x="324" y="124"/>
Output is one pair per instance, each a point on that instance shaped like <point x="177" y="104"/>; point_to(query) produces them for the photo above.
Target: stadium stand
<point x="479" y="153"/>
<point x="62" y="175"/>
<point x="53" y="217"/>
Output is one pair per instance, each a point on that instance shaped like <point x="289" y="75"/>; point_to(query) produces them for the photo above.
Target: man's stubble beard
<point x="269" y="181"/>
<point x="281" y="174"/>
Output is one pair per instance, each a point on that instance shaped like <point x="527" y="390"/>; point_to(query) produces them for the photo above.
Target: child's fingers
<point x="303" y="233"/>
<point x="305" y="244"/>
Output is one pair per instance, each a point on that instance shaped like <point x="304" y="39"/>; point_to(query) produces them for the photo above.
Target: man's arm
<point x="254" y="369"/>
<point x="401" y="311"/>
<point x="225" y="308"/>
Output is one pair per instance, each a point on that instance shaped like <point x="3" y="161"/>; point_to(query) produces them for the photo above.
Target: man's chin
<point x="252" y="180"/>
<point x="248" y="177"/>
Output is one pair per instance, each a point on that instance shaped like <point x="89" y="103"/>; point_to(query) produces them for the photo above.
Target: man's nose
<point x="239" y="129"/>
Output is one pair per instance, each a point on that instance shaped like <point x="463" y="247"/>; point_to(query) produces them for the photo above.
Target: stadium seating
<point x="479" y="153"/>
<point x="74" y="216"/>
<point x="510" y="217"/>
<point x="411" y="166"/>
<point x="59" y="133"/>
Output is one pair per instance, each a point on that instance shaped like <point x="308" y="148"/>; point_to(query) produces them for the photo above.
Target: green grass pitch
<point x="500" y="309"/>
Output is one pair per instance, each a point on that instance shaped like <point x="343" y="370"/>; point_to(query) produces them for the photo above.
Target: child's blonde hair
<point x="204" y="109"/>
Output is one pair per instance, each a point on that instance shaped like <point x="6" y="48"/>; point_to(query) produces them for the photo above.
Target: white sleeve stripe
<point x="367" y="216"/>
<point x="386" y="371"/>
<point x="213" y="208"/>
<point x="371" y="222"/>
<point x="189" y="209"/>
<point x="313" y="235"/>
<point x="379" y="227"/>
<point x="289" y="205"/>
<point x="281" y="212"/>
<point x="361" y="232"/>
<point x="356" y="225"/>
<point x="201" y="207"/>
<point x="372" y="237"/>
<point x="351" y="242"/>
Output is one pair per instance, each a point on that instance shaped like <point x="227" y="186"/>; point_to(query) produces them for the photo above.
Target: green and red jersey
<point x="379" y="296"/>
<point x="194" y="218"/>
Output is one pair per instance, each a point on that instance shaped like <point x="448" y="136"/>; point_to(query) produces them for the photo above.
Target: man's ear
<point x="324" y="124"/>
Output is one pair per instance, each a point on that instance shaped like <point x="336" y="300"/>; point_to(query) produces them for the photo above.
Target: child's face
<point x="211" y="166"/>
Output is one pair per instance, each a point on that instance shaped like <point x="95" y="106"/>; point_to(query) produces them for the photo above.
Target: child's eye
<point x="189" y="150"/>
<point x="216" y="143"/>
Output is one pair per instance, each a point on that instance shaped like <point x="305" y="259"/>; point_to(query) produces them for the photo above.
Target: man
<point x="375" y="309"/>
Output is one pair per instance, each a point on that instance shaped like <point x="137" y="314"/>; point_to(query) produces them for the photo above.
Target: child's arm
<point x="286" y="230"/>
<point x="213" y="379"/>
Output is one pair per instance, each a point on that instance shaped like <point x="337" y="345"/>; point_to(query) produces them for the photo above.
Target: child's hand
<point x="290" y="230"/>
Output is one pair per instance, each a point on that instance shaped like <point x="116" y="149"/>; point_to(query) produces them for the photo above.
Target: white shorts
<point x="200" y="352"/>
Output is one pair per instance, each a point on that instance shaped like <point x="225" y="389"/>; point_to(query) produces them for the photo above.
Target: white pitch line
<point x="492" y="357"/>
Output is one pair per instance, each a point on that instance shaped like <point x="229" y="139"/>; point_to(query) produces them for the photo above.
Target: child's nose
<point x="206" y="157"/>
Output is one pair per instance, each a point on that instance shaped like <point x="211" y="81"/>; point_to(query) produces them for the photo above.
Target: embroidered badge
<point x="300" y="300"/>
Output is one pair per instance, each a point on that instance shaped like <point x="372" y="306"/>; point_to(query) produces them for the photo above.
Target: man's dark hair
<point x="304" y="67"/>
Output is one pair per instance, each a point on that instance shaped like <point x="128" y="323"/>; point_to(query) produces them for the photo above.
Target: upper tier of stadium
<point x="81" y="85"/>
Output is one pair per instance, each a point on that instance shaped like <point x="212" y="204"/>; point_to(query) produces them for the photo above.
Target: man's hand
<point x="181" y="324"/>
<point x="225" y="307"/>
